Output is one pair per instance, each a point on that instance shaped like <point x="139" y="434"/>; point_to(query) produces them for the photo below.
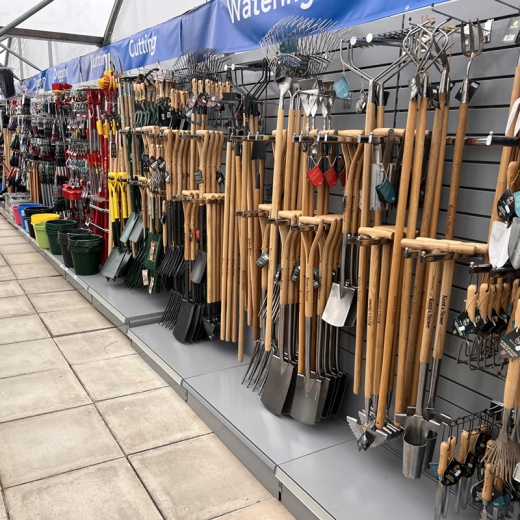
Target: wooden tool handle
<point x="309" y="275"/>
<point x="483" y="300"/>
<point x="463" y="446"/>
<point x="378" y="232"/>
<point x="458" y="153"/>
<point x="349" y="207"/>
<point x="164" y="226"/>
<point x="452" y="441"/>
<point x="511" y="384"/>
<point x="284" y="253"/>
<point x="429" y="311"/>
<point x="373" y="292"/>
<point x="444" y="308"/>
<point x="487" y="488"/>
<point x="443" y="458"/>
<point x="471" y="301"/>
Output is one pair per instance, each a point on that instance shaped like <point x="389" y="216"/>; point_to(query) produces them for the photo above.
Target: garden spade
<point x="281" y="371"/>
<point x="341" y="296"/>
<point x="307" y="390"/>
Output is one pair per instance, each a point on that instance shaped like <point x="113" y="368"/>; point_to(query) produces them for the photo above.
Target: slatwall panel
<point x="461" y="391"/>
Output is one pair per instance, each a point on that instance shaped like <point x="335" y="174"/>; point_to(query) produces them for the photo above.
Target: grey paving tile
<point x="8" y="232"/>
<point x="95" y="346"/>
<point x="40" y="392"/>
<point x="34" y="270"/>
<point x="197" y="479"/>
<point x="23" y="247"/>
<point x="3" y="515"/>
<point x="6" y="273"/>
<point x="57" y="301"/>
<point x="30" y="356"/>
<point x="270" y="509"/>
<point x="151" y="419"/>
<point x="15" y="306"/>
<point x="10" y="288"/>
<point x="117" y="377"/>
<point x="76" y="320"/>
<point x="22" y="328"/>
<point x="45" y="285"/>
<point x="13" y="239"/>
<point x="50" y="444"/>
<point x="31" y="257"/>
<point x="106" y="491"/>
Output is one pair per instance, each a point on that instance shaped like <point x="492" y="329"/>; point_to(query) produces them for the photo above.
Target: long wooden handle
<point x="373" y="292"/>
<point x="363" y="253"/>
<point x="273" y="241"/>
<point x="444" y="308"/>
<point x="393" y="291"/>
<point x="309" y="274"/>
<point x="458" y="153"/>
<point x="429" y="311"/>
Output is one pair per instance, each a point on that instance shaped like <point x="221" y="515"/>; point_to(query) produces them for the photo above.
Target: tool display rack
<point x="317" y="470"/>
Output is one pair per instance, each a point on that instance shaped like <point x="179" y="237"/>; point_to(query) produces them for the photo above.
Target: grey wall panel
<point x="460" y="390"/>
<point x="470" y="201"/>
<point x="474" y="175"/>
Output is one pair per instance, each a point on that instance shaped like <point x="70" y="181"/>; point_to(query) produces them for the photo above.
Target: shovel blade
<point x="277" y="384"/>
<point x="338" y="305"/>
<point x="199" y="267"/>
<point x="306" y="400"/>
<point x="184" y="319"/>
<point x="513" y="248"/>
<point x="499" y="244"/>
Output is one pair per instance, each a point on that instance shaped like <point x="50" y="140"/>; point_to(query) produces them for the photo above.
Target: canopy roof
<point x="66" y="29"/>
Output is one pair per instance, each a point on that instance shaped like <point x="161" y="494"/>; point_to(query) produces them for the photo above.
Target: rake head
<point x="300" y="47"/>
<point x="198" y="63"/>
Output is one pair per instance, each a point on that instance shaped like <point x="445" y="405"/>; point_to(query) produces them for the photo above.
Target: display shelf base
<point x="316" y="471"/>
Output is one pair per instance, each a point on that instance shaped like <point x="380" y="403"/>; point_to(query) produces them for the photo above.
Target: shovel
<point x="199" y="267"/>
<point x="307" y="390"/>
<point x="187" y="310"/>
<point x="341" y="297"/>
<point x="417" y="427"/>
<point x="281" y="372"/>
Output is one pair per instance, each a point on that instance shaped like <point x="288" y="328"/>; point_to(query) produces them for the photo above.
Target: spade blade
<point x="513" y="248"/>
<point x="499" y="243"/>
<point x="338" y="305"/>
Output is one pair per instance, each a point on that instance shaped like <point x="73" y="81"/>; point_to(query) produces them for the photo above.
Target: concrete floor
<point x="87" y="429"/>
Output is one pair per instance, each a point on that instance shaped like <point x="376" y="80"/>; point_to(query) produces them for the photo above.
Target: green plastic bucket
<point x="52" y="227"/>
<point x="41" y="235"/>
<point x="63" y="241"/>
<point x="85" y="251"/>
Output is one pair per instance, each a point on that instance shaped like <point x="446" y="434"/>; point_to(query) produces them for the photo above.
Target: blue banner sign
<point x="227" y="25"/>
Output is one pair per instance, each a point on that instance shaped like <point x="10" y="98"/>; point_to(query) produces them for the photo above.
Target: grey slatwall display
<point x="461" y="390"/>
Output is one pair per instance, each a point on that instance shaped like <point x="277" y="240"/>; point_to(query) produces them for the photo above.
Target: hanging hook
<point x="450" y="17"/>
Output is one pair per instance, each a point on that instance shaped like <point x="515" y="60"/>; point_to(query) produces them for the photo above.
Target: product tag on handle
<point x="506" y="205"/>
<point x="331" y="176"/>
<point x="315" y="176"/>
<point x="385" y="191"/>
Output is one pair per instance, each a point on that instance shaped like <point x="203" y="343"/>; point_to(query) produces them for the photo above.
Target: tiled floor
<point x="87" y="429"/>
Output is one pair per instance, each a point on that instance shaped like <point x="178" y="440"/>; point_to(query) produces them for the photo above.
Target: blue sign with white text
<point x="227" y="25"/>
